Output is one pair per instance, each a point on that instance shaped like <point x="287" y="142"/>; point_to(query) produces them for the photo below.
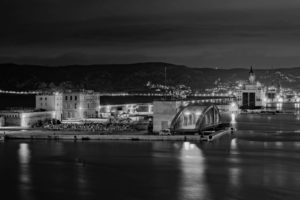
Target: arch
<point x="195" y="118"/>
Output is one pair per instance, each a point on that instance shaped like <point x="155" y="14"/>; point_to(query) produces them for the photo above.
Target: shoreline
<point x="86" y="135"/>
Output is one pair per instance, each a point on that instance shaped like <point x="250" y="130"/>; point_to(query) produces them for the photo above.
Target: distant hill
<point x="132" y="77"/>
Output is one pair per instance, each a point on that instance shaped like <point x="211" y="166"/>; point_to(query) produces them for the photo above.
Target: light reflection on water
<point x="225" y="169"/>
<point x="24" y="174"/>
<point x="193" y="185"/>
<point x="229" y="168"/>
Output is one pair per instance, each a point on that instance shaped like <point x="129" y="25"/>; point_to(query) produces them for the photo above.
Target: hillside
<point x="132" y="77"/>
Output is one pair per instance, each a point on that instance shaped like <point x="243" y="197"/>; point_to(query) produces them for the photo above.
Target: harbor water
<point x="261" y="160"/>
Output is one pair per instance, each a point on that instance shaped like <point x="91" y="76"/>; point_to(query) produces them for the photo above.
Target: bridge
<point x="195" y="118"/>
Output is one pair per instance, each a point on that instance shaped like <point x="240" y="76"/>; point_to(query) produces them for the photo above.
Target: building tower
<point x="251" y="76"/>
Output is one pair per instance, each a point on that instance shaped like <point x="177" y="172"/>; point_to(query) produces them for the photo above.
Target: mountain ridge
<point x="133" y="77"/>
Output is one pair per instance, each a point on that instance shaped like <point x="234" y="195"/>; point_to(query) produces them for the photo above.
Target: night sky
<point x="196" y="33"/>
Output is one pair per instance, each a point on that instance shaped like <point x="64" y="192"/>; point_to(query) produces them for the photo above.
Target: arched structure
<point x="195" y="118"/>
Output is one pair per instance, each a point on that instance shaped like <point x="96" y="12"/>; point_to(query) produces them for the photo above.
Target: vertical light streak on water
<point x="234" y="168"/>
<point x="82" y="180"/>
<point x="193" y="184"/>
<point x="25" y="176"/>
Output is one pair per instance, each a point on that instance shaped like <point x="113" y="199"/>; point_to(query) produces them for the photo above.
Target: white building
<point x="251" y="95"/>
<point x="50" y="102"/>
<point x="81" y="105"/>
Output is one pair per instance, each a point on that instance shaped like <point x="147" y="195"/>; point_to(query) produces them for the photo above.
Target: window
<point x="75" y="105"/>
<point x="66" y="98"/>
<point x="41" y="98"/>
<point x="71" y="98"/>
<point x="75" y="98"/>
<point x="45" y="98"/>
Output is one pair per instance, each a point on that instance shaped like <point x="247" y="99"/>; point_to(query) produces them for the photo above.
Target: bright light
<point x="280" y="99"/>
<point x="187" y="113"/>
<point x="233" y="118"/>
<point x="186" y="146"/>
<point x="24" y="153"/>
<point x="198" y="113"/>
<point x="233" y="104"/>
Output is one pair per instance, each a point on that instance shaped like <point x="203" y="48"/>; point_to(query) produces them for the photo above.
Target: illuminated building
<point x="50" y="102"/>
<point x="271" y="94"/>
<point x="25" y="118"/>
<point x="81" y="105"/>
<point x="251" y="94"/>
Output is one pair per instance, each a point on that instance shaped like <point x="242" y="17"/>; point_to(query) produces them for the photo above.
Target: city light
<point x="198" y="113"/>
<point x="187" y="113"/>
<point x="233" y="121"/>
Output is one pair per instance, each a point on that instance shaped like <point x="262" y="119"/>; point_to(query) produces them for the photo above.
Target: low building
<point x="133" y="109"/>
<point x="2" y="121"/>
<point x="50" y="102"/>
<point x="271" y="94"/>
<point x="251" y="95"/>
<point x="163" y="114"/>
<point x="79" y="105"/>
<point x="25" y="118"/>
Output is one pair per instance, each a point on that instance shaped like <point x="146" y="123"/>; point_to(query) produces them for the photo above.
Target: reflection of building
<point x="50" y="102"/>
<point x="81" y="105"/>
<point x="251" y="95"/>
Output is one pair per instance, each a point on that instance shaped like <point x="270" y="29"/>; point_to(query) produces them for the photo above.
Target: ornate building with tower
<point x="251" y="95"/>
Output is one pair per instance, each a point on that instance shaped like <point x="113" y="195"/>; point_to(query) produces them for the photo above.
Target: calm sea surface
<point x="234" y="167"/>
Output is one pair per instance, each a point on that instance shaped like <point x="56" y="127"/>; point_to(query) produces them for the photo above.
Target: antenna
<point x="165" y="83"/>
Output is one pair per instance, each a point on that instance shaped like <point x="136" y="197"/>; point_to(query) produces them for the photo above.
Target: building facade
<point x="251" y="95"/>
<point x="25" y="118"/>
<point x="50" y="102"/>
<point x="81" y="105"/>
